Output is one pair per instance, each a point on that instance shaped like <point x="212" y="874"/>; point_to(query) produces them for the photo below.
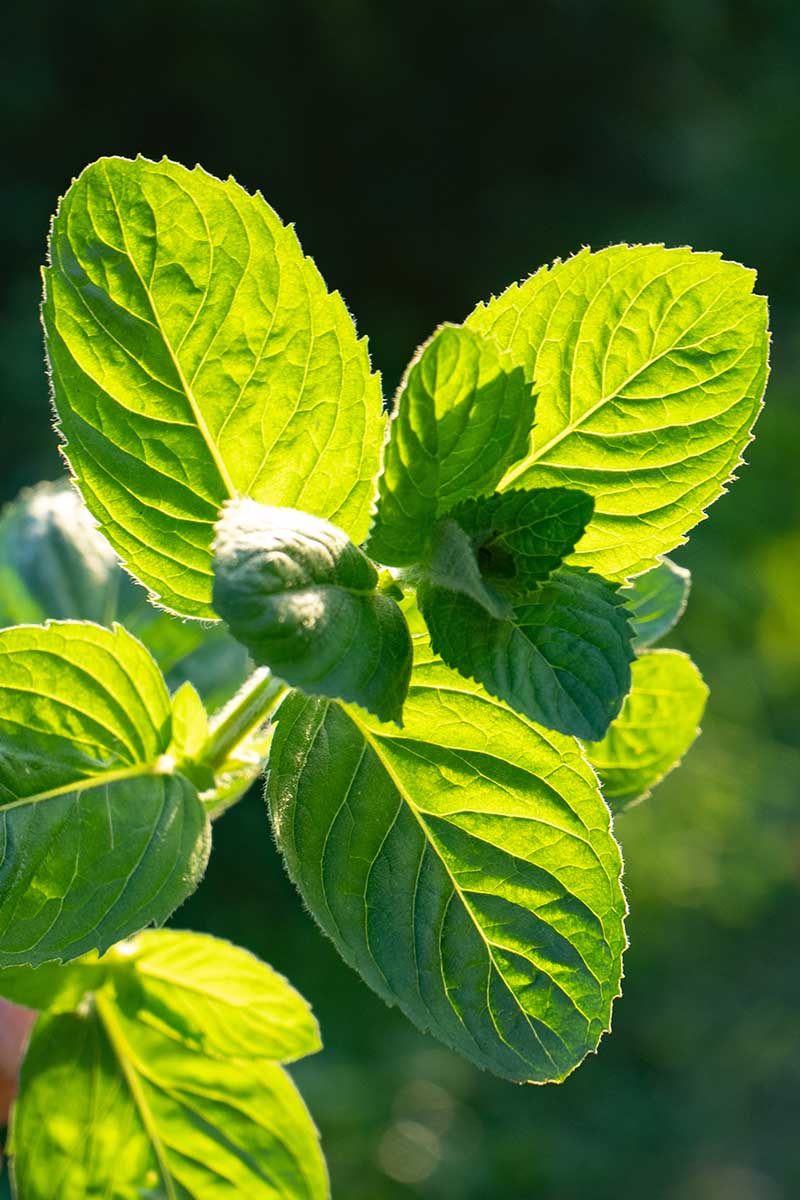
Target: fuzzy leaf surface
<point x="649" y="366"/>
<point x="521" y="537"/>
<point x="657" y="726"/>
<point x="197" y="355"/>
<point x="464" y="865"/>
<point x="111" y="1106"/>
<point x="463" y="415"/>
<point x="656" y="601"/>
<point x="98" y="836"/>
<point x="302" y="598"/>
<point x="562" y="658"/>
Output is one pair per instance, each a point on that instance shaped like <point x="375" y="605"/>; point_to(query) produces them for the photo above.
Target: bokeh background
<point x="429" y="154"/>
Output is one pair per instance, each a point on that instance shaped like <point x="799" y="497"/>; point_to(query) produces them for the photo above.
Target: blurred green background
<point x="430" y="154"/>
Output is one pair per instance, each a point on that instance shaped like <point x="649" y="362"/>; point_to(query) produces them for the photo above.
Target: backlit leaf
<point x="464" y="865"/>
<point x="657" y="726"/>
<point x="98" y="834"/>
<point x="462" y="416"/>
<point x="649" y="367"/>
<point x="196" y="355"/>
<point x="656" y="601"/>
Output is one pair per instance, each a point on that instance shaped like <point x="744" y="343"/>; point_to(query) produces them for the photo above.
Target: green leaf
<point x="56" y="987"/>
<point x="464" y="866"/>
<point x="521" y="537"/>
<point x="302" y="599"/>
<point x="562" y="659"/>
<point x="657" y="726"/>
<point x="196" y="355"/>
<point x="649" y="367"/>
<point x="99" y="836"/>
<point x="110" y="1106"/>
<point x="215" y="996"/>
<point x="54" y="563"/>
<point x="656" y="601"/>
<point x="463" y="415"/>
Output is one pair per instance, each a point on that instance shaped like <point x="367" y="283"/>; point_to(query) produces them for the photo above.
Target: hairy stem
<point x="256" y="700"/>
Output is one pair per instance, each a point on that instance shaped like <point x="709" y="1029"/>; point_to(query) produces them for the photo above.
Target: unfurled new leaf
<point x="521" y="537"/>
<point x="197" y="355"/>
<point x="463" y="865"/>
<point x="656" y="601"/>
<point x="649" y="367"/>
<point x="657" y="726"/>
<point x="453" y="564"/>
<point x="462" y="417"/>
<point x="562" y="658"/>
<point x="303" y="600"/>
<point x="99" y="835"/>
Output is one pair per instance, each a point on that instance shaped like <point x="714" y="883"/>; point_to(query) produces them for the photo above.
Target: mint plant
<point x="433" y="630"/>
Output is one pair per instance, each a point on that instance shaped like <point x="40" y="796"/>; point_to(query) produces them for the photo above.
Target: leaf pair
<point x="555" y="651"/>
<point x="157" y="1069"/>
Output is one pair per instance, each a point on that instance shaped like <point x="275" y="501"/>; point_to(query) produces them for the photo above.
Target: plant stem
<point x="256" y="700"/>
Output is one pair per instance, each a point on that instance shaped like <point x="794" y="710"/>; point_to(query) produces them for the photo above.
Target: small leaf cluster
<point x="434" y="630"/>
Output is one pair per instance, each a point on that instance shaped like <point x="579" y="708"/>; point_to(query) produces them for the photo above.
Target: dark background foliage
<point x="430" y="153"/>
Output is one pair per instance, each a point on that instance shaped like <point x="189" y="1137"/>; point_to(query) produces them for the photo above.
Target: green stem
<point x="256" y="700"/>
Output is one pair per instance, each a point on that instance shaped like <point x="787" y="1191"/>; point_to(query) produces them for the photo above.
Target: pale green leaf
<point x="98" y="835"/>
<point x="111" y="1107"/>
<point x="521" y="537"/>
<point x="562" y="659"/>
<point x="649" y="367"/>
<point x="197" y="355"/>
<point x="656" y="601"/>
<point x="463" y="415"/>
<point x="55" y="564"/>
<point x="303" y="600"/>
<point x="464" y="866"/>
<point x="215" y="996"/>
<point x="657" y="726"/>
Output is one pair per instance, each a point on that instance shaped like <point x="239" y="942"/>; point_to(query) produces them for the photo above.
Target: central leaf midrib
<point x="139" y="770"/>
<point x="189" y="394"/>
<point x="118" y="1044"/>
<point x="459" y="892"/>
<point x="530" y="460"/>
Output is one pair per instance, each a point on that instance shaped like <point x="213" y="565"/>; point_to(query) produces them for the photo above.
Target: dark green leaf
<point x="562" y="659"/>
<point x="521" y="537"/>
<point x="303" y="600"/>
